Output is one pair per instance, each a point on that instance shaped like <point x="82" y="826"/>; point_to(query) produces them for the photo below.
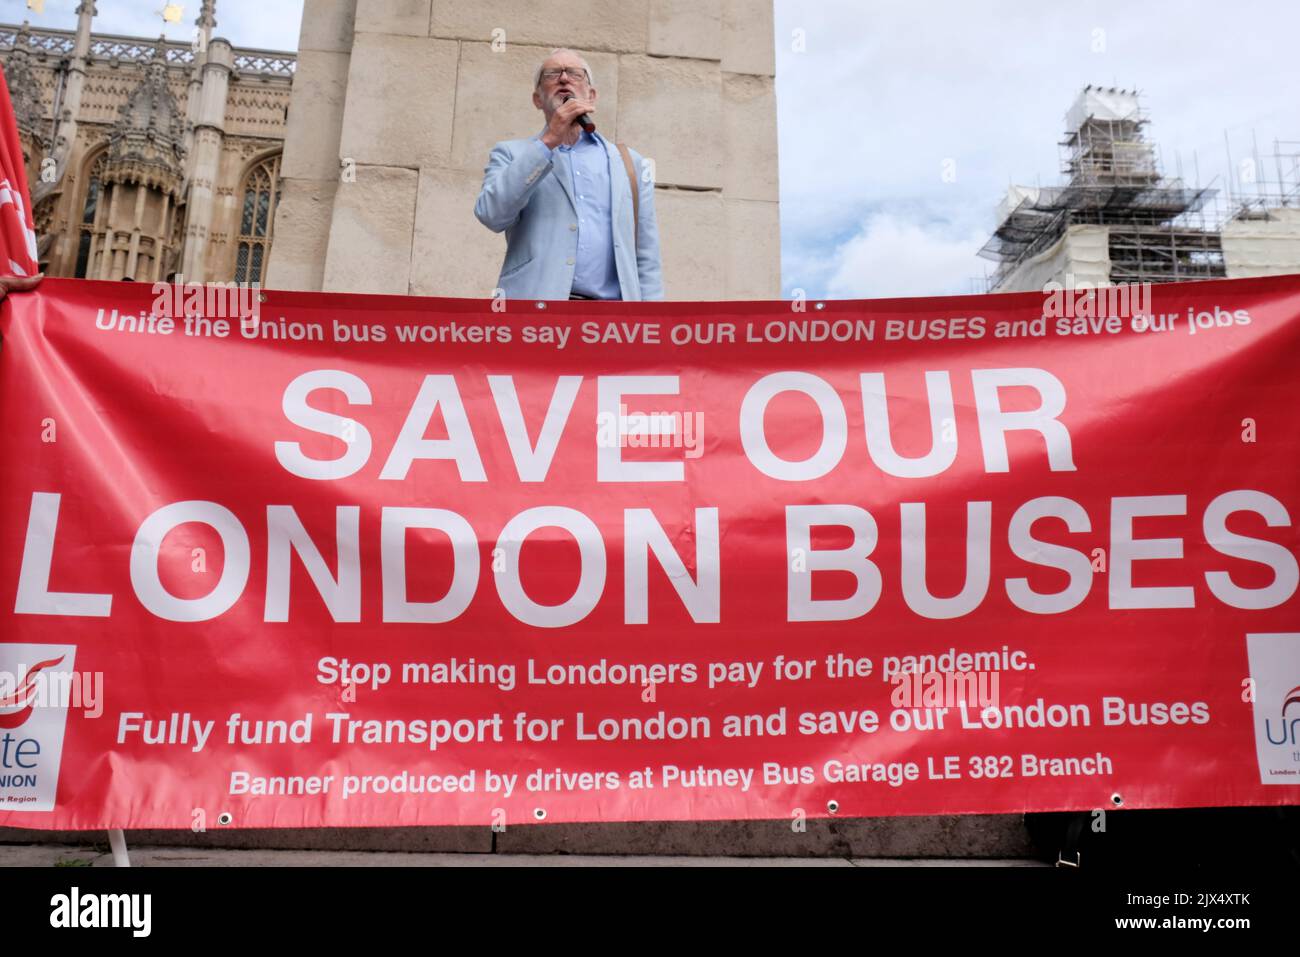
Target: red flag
<point x="17" y="230"/>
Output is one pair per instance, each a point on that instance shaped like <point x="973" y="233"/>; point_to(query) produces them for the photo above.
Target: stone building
<point x="397" y="103"/>
<point x="149" y="158"/>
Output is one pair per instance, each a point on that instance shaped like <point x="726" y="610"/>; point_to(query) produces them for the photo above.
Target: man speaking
<point x="578" y="211"/>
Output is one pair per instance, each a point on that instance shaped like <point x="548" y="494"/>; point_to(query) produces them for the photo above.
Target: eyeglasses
<point x="573" y="73"/>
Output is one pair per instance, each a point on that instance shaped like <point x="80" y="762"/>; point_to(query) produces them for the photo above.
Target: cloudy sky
<point x="902" y="122"/>
<point x="885" y="93"/>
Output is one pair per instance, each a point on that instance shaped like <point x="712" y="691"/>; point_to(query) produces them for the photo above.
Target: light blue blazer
<point x="531" y="199"/>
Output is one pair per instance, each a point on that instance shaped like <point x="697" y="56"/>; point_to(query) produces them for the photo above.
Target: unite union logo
<point x="1275" y="669"/>
<point x="33" y="719"/>
<point x="17" y="707"/>
<point x="1286" y="730"/>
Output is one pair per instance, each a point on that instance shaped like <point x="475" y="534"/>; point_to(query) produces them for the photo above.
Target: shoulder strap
<point x="636" y="195"/>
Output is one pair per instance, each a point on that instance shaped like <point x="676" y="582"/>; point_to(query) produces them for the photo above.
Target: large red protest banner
<point x="344" y="560"/>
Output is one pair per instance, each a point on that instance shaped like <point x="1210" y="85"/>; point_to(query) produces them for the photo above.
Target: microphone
<point x="584" y="120"/>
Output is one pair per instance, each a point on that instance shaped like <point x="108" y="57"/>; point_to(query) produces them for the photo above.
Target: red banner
<point x="18" y="253"/>
<point x="305" y="560"/>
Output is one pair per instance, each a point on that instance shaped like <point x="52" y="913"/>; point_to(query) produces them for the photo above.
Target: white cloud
<point x="895" y="256"/>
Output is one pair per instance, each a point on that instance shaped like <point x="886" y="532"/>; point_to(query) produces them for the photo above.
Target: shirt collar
<point x="584" y="136"/>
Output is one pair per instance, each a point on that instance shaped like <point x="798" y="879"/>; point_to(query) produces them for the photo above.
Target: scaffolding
<point x="1156" y="225"/>
<point x="1259" y="197"/>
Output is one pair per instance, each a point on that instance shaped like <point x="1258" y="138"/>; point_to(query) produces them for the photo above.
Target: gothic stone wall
<point x="255" y="127"/>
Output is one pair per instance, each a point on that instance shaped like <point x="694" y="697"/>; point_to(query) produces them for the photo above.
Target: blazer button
<point x="573" y="227"/>
<point x="570" y="262"/>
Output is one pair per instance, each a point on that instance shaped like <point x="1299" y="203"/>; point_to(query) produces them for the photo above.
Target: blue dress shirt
<point x="595" y="273"/>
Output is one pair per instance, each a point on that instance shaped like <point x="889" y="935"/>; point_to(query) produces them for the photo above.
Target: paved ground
<point x="970" y="836"/>
<point x="62" y="855"/>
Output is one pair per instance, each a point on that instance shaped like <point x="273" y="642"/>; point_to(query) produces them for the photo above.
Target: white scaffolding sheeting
<point x="1096" y="103"/>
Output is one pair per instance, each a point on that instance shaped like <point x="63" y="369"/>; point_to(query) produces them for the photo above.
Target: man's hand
<point x="10" y="284"/>
<point x="561" y="129"/>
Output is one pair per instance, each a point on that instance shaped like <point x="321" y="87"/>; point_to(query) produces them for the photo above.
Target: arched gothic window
<point x="94" y="181"/>
<point x="261" y="193"/>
